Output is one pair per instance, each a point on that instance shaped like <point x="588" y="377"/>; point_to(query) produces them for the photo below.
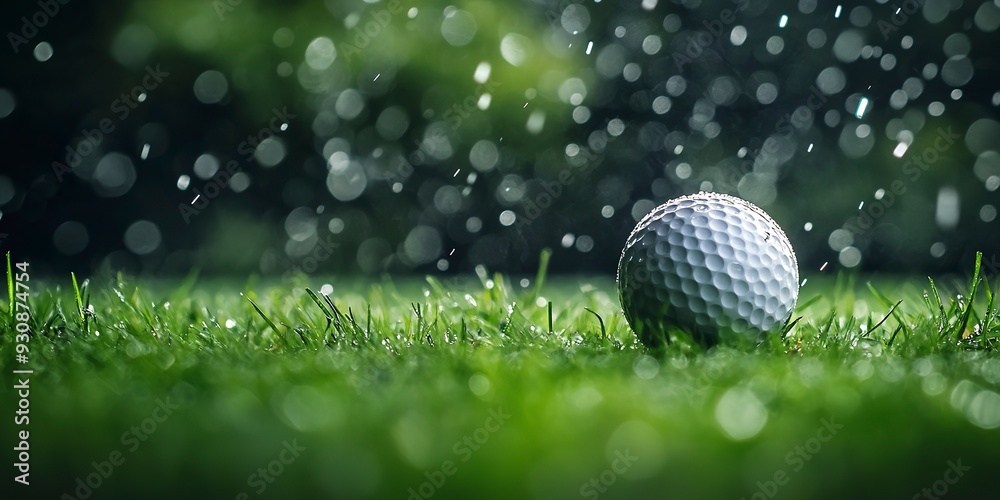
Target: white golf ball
<point x="709" y="265"/>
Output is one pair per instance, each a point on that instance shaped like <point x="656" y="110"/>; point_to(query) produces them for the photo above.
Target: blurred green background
<point x="431" y="136"/>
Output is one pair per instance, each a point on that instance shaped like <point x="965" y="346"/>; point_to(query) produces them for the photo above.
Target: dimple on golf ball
<point x="709" y="265"/>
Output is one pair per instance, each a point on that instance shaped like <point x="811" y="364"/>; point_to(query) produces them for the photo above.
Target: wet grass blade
<point x="604" y="333"/>
<point x="789" y="326"/>
<point x="884" y="317"/>
<point x="894" y="309"/>
<point x="543" y="269"/>
<point x="937" y="297"/>
<point x="964" y="319"/>
<point x="262" y="315"/>
<point x="805" y="305"/>
<point x="78" y="296"/>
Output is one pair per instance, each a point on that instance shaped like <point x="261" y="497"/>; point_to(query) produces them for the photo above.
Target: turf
<point x="493" y="387"/>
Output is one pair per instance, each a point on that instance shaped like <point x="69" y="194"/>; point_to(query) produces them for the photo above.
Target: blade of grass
<point x="262" y="315"/>
<point x="887" y="303"/>
<point x="991" y="313"/>
<point x="789" y="326"/>
<point x="550" y="316"/>
<point x="543" y="269"/>
<point x="892" y="338"/>
<point x="315" y="298"/>
<point x="329" y="319"/>
<point x="937" y="297"/>
<point x="884" y="317"/>
<point x="824" y="333"/>
<point x="964" y="321"/>
<point x="604" y="333"/>
<point x="78" y="296"/>
<point x="814" y="299"/>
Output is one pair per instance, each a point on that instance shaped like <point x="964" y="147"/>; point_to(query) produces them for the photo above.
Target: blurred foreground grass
<point x="460" y="390"/>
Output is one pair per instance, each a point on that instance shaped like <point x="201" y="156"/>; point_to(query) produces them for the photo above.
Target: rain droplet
<point x="862" y="107"/>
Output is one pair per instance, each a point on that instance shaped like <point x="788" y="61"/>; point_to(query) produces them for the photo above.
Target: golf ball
<point x="710" y="265"/>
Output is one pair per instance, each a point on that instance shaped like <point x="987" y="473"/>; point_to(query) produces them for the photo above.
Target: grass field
<point x="498" y="387"/>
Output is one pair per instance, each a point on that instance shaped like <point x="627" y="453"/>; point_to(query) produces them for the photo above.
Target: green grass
<point x="380" y="383"/>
